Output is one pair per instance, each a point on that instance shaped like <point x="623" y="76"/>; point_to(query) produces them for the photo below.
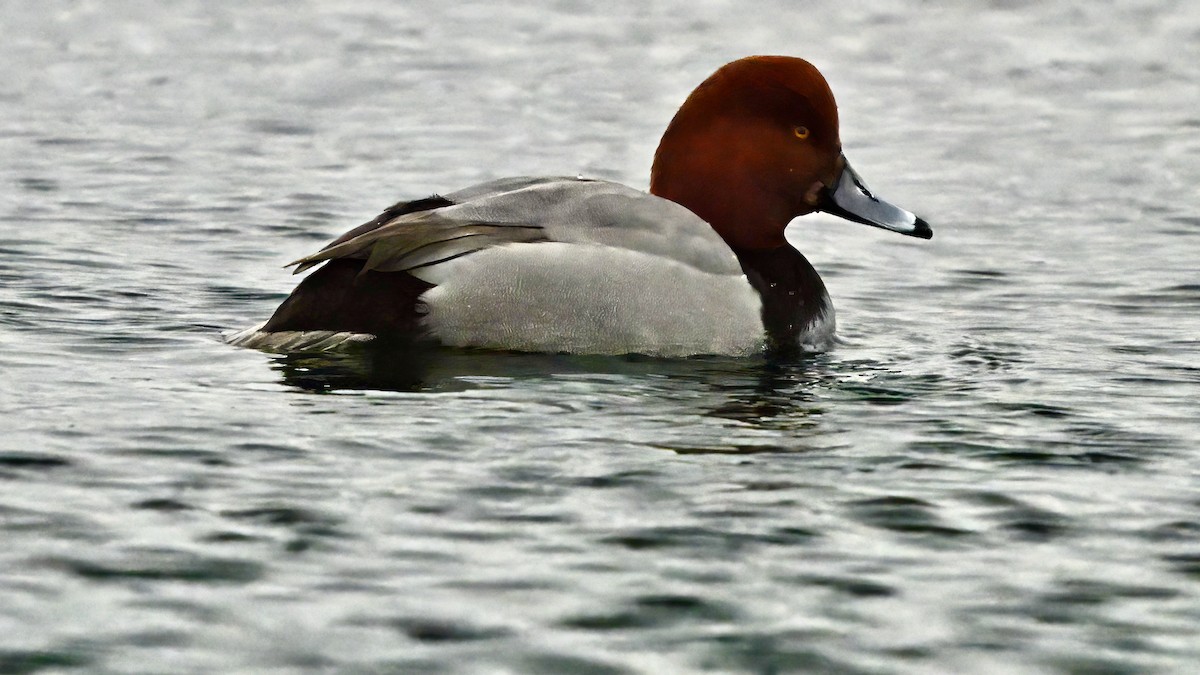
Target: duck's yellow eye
<point x="801" y="132"/>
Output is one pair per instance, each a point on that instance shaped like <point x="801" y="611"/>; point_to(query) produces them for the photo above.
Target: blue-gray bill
<point x="850" y="199"/>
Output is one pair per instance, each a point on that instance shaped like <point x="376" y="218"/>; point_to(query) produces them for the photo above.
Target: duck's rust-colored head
<point x="756" y="145"/>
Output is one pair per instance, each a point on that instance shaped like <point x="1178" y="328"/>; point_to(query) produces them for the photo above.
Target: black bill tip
<point x="921" y="229"/>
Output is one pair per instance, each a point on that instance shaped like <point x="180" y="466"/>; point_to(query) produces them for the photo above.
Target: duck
<point x="698" y="265"/>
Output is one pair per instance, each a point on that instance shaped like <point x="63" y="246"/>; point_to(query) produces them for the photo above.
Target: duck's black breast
<point x="793" y="295"/>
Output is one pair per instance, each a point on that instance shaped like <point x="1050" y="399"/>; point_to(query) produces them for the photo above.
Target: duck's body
<point x="585" y="266"/>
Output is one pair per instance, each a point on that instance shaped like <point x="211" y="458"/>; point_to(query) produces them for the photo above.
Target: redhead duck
<point x="699" y="265"/>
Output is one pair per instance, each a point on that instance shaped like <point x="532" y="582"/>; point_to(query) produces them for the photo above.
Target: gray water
<point x="997" y="471"/>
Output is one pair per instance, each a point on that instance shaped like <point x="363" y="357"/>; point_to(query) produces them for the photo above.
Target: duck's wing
<point x="408" y="244"/>
<point x="529" y="210"/>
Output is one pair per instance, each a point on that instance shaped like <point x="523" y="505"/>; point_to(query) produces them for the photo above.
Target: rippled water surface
<point x="997" y="472"/>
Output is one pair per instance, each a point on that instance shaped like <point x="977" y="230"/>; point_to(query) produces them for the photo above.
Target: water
<point x="997" y="472"/>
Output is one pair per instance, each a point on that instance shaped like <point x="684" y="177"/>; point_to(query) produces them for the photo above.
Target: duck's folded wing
<point x="527" y="210"/>
<point x="422" y="239"/>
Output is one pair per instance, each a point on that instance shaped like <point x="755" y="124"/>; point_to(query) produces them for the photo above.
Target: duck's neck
<point x="794" y="299"/>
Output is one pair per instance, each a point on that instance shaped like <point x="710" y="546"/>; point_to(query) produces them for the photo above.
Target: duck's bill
<point x="850" y="199"/>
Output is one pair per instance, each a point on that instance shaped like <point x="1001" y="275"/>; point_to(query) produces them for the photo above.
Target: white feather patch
<point x="590" y="299"/>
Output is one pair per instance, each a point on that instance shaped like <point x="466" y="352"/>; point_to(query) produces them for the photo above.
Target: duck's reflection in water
<point x="773" y="395"/>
